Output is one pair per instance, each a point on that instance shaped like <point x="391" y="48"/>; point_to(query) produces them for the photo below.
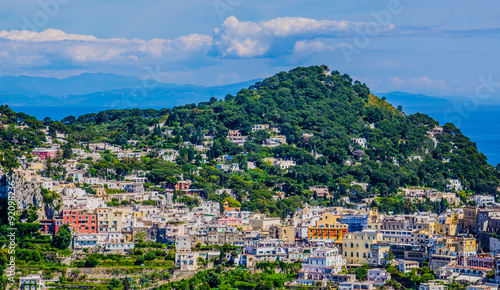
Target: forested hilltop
<point x="337" y="132"/>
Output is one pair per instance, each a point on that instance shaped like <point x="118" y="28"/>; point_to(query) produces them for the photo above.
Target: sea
<point x="480" y="123"/>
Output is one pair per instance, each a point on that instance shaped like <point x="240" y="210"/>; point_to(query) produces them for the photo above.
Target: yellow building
<point x="470" y="219"/>
<point x="99" y="190"/>
<point x="446" y="229"/>
<point x="466" y="246"/>
<point x="374" y="225"/>
<point x="447" y="225"/>
<point x="356" y="246"/>
<point x="446" y="246"/>
<point x="328" y="219"/>
<point x="145" y="211"/>
<point x="329" y="227"/>
<point x="427" y="226"/>
<point x="264" y="223"/>
<point x="36" y="166"/>
<point x="61" y="186"/>
<point x="29" y="175"/>
<point x="285" y="233"/>
<point x="111" y="219"/>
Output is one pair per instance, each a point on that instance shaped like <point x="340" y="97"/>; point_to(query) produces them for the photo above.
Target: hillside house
<point x="360" y="141"/>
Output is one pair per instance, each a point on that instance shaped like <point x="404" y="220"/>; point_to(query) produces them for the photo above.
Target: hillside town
<point x="346" y="247"/>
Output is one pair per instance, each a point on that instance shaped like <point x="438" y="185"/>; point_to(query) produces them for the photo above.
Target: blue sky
<point x="429" y="47"/>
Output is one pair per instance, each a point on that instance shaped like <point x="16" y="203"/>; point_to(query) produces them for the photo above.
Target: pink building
<point x="45" y="153"/>
<point x="230" y="220"/>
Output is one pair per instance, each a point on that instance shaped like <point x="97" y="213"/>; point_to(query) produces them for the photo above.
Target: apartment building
<point x="356" y="246"/>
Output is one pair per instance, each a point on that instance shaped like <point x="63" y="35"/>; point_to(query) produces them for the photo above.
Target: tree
<point x="140" y="236"/>
<point x="91" y="261"/>
<point x="114" y="284"/>
<point x="390" y="256"/>
<point x="232" y="202"/>
<point x="63" y="238"/>
<point x="69" y="120"/>
<point x="49" y="167"/>
<point x="360" y="272"/>
<point x="126" y="284"/>
<point x="139" y="261"/>
<point x="150" y="256"/>
<point x="67" y="152"/>
<point x="47" y="121"/>
<point x="9" y="160"/>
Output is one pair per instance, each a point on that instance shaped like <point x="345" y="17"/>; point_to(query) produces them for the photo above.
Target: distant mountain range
<point x="407" y="100"/>
<point x="117" y="91"/>
<point x="105" y="90"/>
<point x="415" y="102"/>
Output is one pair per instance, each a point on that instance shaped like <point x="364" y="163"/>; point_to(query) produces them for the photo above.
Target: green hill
<point x="319" y="112"/>
<point x="334" y="109"/>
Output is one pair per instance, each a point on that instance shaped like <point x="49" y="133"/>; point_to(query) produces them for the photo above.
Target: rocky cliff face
<point x="25" y="193"/>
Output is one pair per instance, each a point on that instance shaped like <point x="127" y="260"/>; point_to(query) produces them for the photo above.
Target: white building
<point x="251" y="165"/>
<point x="182" y="242"/>
<point x="322" y="264"/>
<point x="85" y="241"/>
<point x="432" y="286"/>
<point x="284" y="164"/>
<point x="275" y="141"/>
<point x="208" y="208"/>
<point x="169" y="154"/>
<point x="360" y="141"/>
<point x="455" y="184"/>
<point x="415" y="157"/>
<point x="378" y="276"/>
<point x="114" y="242"/>
<point x="355" y="285"/>
<point x="494" y="246"/>
<point x="483" y="200"/>
<point x="31" y="282"/>
<point x="259" y="127"/>
<point x="187" y="260"/>
<point x="264" y="223"/>
<point x="406" y="266"/>
<point x="225" y="190"/>
<point x="232" y="167"/>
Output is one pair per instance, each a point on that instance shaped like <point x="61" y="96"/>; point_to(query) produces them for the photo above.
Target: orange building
<point x="329" y="227"/>
<point x="77" y="221"/>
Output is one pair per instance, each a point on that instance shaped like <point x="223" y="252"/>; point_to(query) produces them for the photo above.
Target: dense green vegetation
<point x="410" y="280"/>
<point x="330" y="107"/>
<point x="272" y="276"/>
<point x="318" y="112"/>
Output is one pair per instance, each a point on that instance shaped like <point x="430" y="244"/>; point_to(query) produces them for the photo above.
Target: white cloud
<point x="179" y="48"/>
<point x="293" y="37"/>
<point x="244" y="39"/>
<point x="46" y="35"/>
<point x="29" y="48"/>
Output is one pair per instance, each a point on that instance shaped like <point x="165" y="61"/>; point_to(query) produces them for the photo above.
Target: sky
<point x="440" y="48"/>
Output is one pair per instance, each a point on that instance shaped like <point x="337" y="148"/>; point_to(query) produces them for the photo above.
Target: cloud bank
<point x="235" y="39"/>
<point x="235" y="51"/>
